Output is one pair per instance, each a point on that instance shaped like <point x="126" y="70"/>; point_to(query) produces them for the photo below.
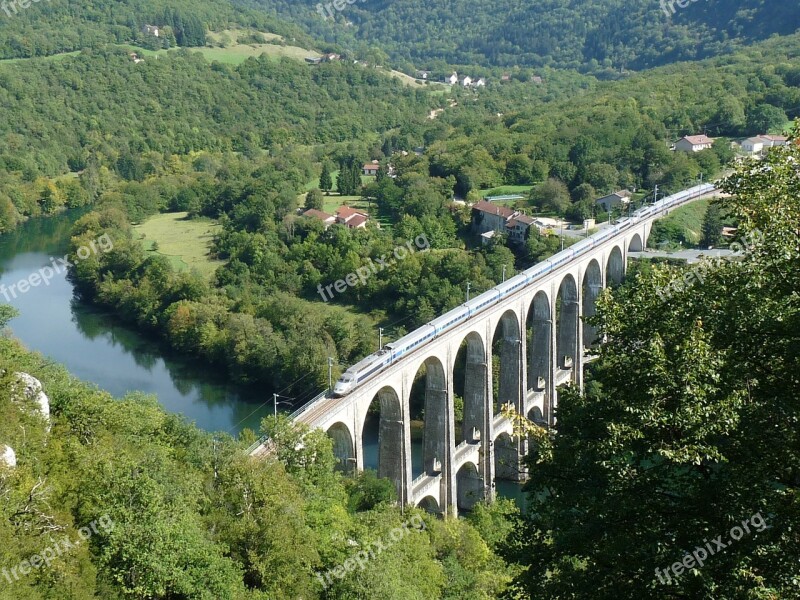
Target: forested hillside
<point x="588" y="35"/>
<point x="56" y="26"/>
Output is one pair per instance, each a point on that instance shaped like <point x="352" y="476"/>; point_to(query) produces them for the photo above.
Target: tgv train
<point x="375" y="363"/>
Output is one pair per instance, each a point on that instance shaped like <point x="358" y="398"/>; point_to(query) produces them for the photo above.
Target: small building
<point x="487" y="237"/>
<point x="423" y="75"/>
<point x="136" y="58"/>
<point x="537" y="80"/>
<point x="694" y="143"/>
<point x="332" y="57"/>
<point x="773" y="141"/>
<point x="453" y="79"/>
<point x="622" y="197"/>
<point x="351" y="218"/>
<point x="505" y="77"/>
<point x="546" y="225"/>
<point x="371" y="169"/>
<point x="313" y="60"/>
<point x="753" y="145"/>
<point x="480" y="83"/>
<point x="327" y="220"/>
<point x="150" y="30"/>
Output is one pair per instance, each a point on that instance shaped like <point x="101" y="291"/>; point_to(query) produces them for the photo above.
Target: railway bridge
<point x="514" y="351"/>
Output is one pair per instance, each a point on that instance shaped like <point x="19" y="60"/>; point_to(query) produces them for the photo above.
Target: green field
<point x="184" y="242"/>
<point x="506" y="190"/>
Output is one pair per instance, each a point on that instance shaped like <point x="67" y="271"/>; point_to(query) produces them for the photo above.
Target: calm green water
<point x="97" y="348"/>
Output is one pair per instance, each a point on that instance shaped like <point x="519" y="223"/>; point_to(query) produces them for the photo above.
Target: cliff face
<point x="30" y="389"/>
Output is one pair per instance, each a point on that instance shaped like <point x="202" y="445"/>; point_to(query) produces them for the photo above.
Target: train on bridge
<point x="391" y="353"/>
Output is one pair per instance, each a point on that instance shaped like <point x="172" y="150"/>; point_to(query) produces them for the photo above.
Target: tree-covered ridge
<point x="55" y="26"/>
<point x="589" y="34"/>
<point x="688" y="426"/>
<point x="100" y="111"/>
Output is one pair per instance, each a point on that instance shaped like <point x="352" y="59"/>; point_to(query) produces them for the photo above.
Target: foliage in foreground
<point x="193" y="517"/>
<point x="689" y="427"/>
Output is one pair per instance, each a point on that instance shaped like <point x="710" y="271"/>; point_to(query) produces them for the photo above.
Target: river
<point x="97" y="348"/>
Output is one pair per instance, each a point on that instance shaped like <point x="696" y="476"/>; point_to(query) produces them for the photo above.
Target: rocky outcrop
<point x="29" y="388"/>
<point x="8" y="456"/>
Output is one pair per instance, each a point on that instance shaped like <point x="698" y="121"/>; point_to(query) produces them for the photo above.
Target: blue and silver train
<point x="375" y="363"/>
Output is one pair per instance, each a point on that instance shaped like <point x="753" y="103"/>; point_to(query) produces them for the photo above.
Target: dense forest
<point x="594" y="36"/>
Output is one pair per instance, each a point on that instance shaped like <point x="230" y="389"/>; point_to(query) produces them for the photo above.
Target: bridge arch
<point x="384" y="426"/>
<point x="635" y="245"/>
<point x="540" y="334"/>
<point x="506" y="458"/>
<point x="507" y="348"/>
<point x="343" y="448"/>
<point x="567" y="324"/>
<point x="469" y="487"/>
<point x="592" y="286"/>
<point x="429" y="392"/>
<point x="429" y="504"/>
<point x="615" y="268"/>
<point x="470" y="382"/>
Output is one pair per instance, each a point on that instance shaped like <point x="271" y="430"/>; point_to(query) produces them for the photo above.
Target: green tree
<point x="325" y="179"/>
<point x="551" y="195"/>
<point x="314" y="199"/>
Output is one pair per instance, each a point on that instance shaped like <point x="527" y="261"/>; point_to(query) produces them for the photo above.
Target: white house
<point x="453" y="79"/>
<point x="753" y="145"/>
<point x="467" y="81"/>
<point x="694" y="143"/>
<point x="150" y="30"/>
<point x="772" y="141"/>
<point x="480" y="83"/>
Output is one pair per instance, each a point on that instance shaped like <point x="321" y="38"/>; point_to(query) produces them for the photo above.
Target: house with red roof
<point x="351" y="218"/>
<point x="488" y="217"/>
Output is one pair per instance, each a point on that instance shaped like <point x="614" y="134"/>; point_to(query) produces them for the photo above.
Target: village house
<point x="759" y="143"/>
<point x="351" y="218"/>
<point x="480" y="83"/>
<point x="423" y="75"/>
<point x="753" y="145"/>
<point x="694" y="143"/>
<point x="773" y="141"/>
<point x="313" y="60"/>
<point x="467" y="81"/>
<point x="327" y="220"/>
<point x="453" y="79"/>
<point x="150" y="30"/>
<point x="135" y="58"/>
<point x="371" y="169"/>
<point x="489" y="219"/>
<point x="623" y="197"/>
